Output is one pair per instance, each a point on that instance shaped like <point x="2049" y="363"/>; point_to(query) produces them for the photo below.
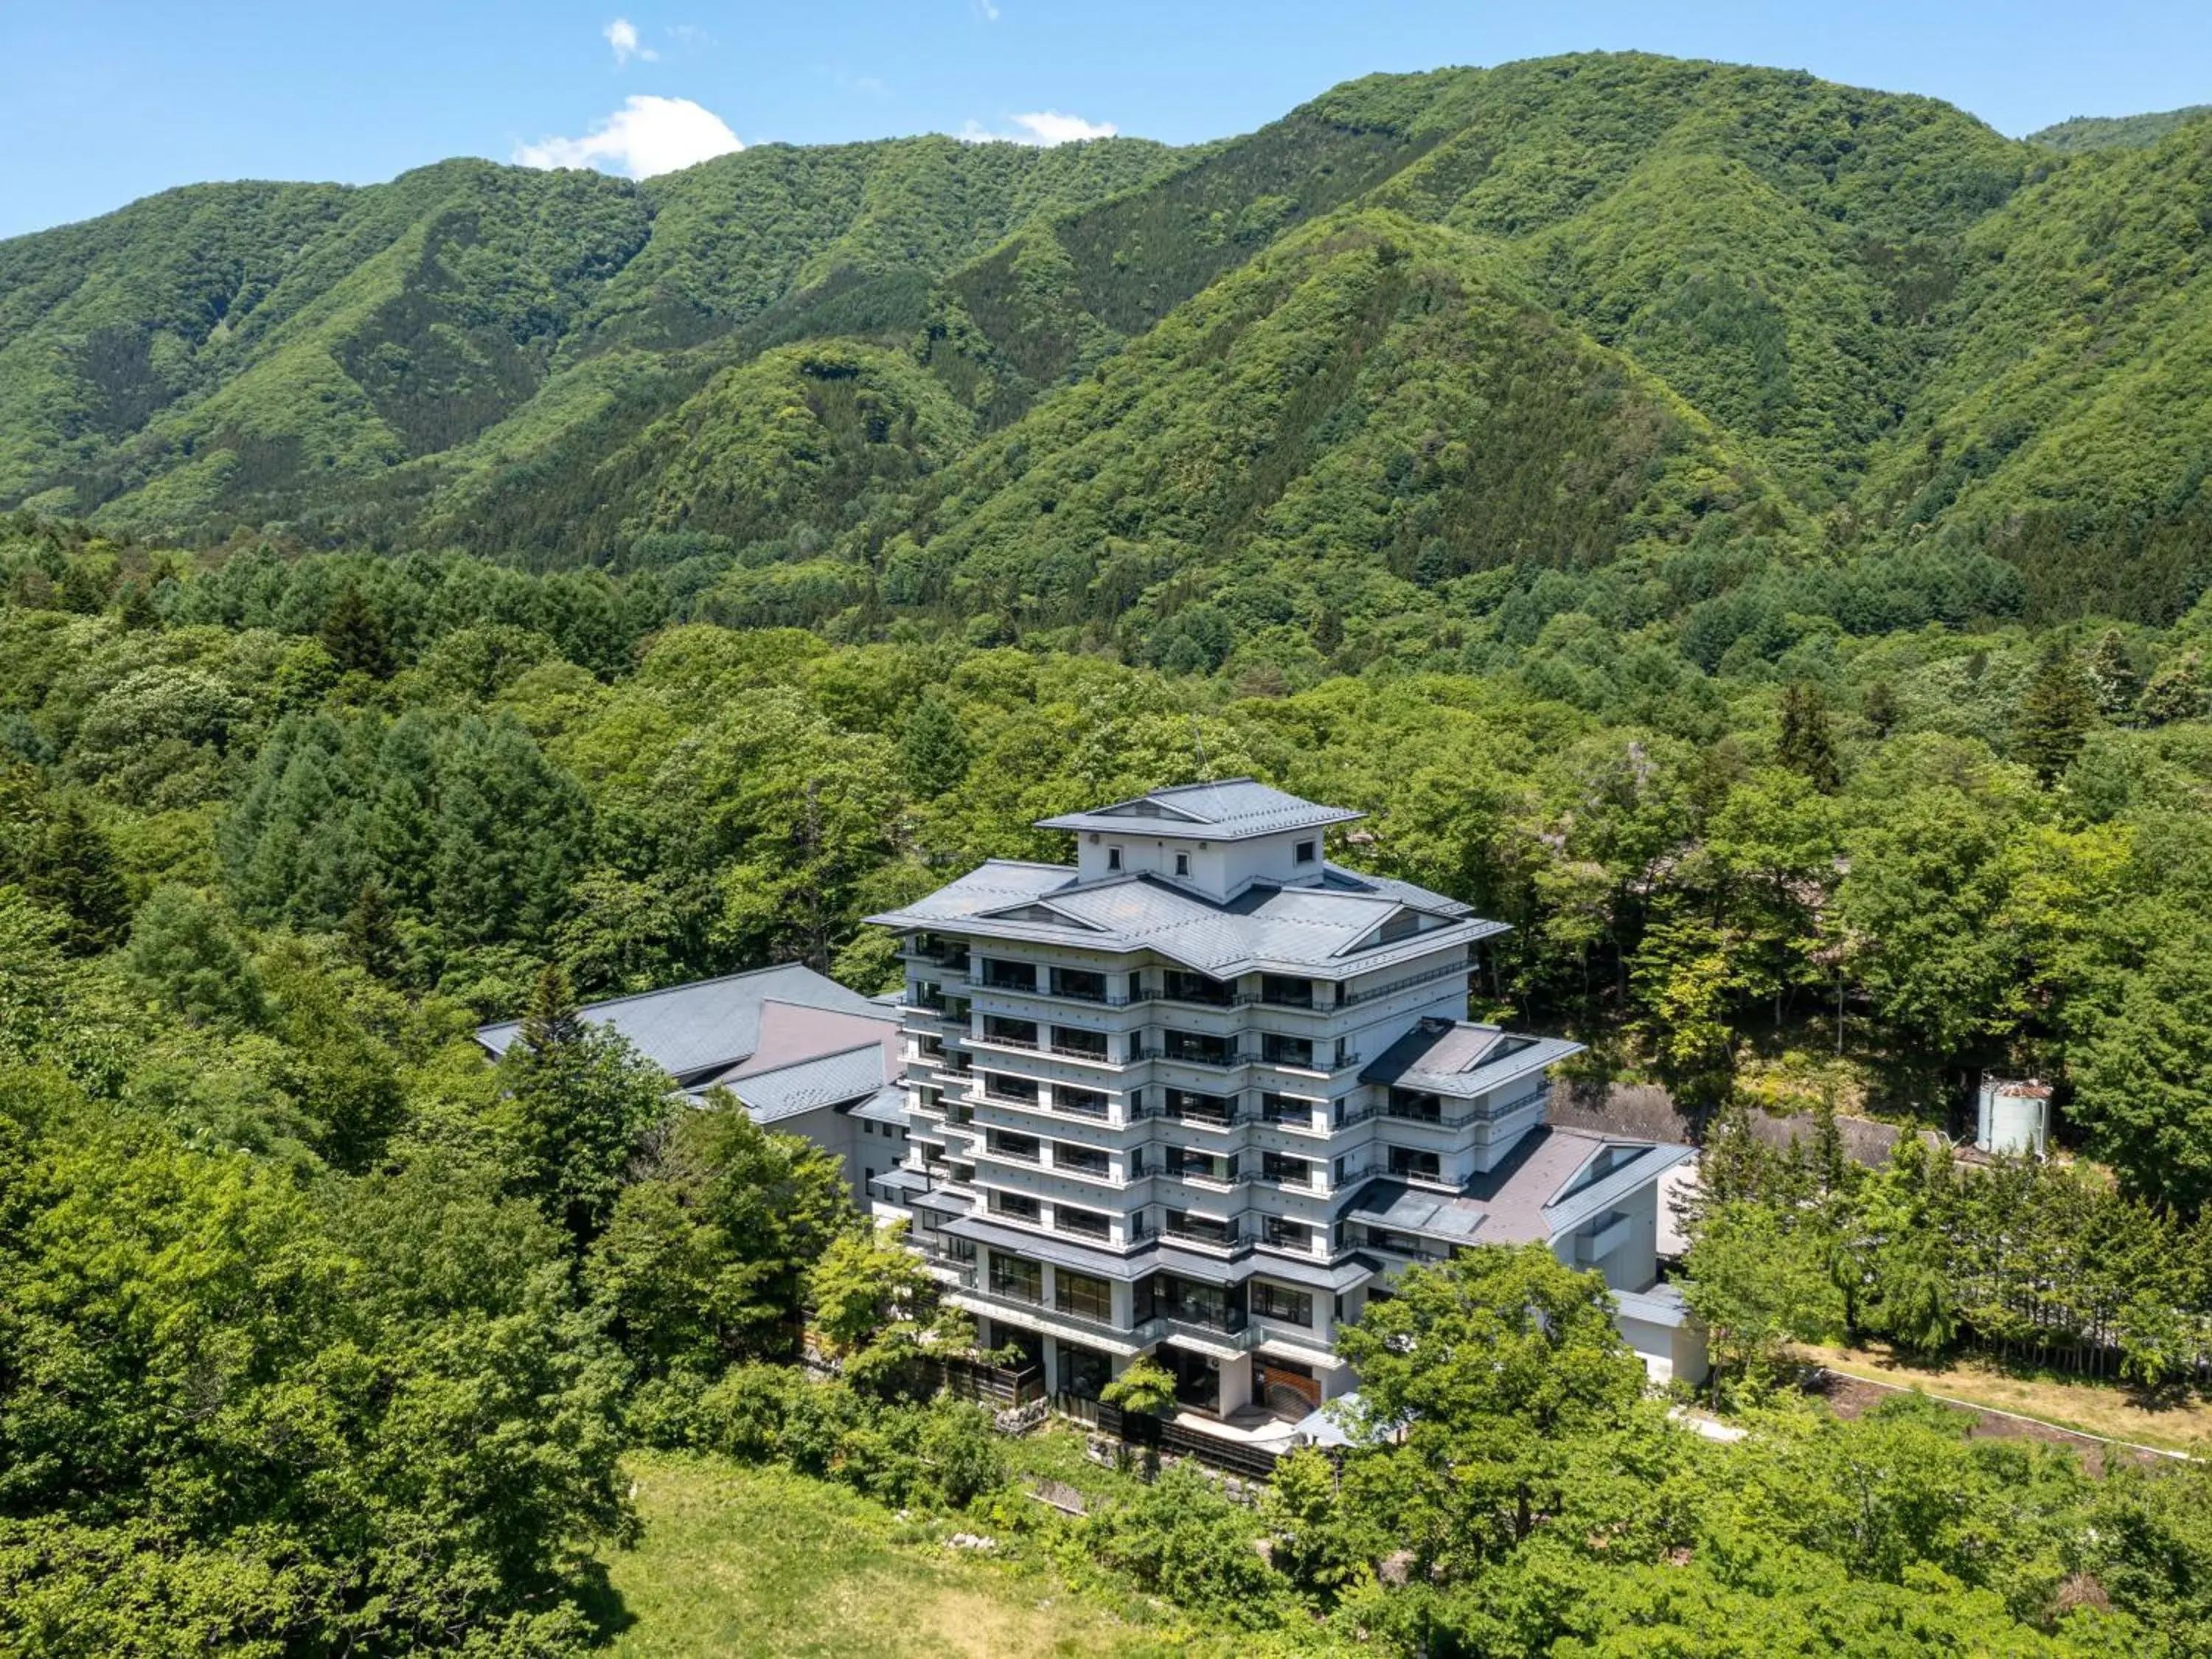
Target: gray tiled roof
<point x="887" y="1105"/>
<point x="1295" y="929"/>
<point x="1525" y="1200"/>
<point x="692" y="1032"/>
<point x="1232" y="810"/>
<point x="1460" y="1059"/>
<point x="830" y="1080"/>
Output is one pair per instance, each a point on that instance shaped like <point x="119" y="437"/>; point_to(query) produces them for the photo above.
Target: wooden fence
<point x="1139" y="1429"/>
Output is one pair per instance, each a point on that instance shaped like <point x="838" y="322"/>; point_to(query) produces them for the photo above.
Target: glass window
<point x="1202" y="1166"/>
<point x="1002" y="1087"/>
<point x="1084" y="1103"/>
<point x="1083" y="1373"/>
<point x="1200" y="1047"/>
<point x="1277" y="1302"/>
<point x="1205" y="1229"/>
<point x="1084" y="982"/>
<point x="1019" y="1205"/>
<point x="1305" y="852"/>
<point x="1287" y="1170"/>
<point x="1204" y="1108"/>
<point x="1086" y="1160"/>
<point x="1279" y="1050"/>
<point x="1180" y="985"/>
<point x="1089" y="1223"/>
<point x="1082" y="1296"/>
<point x="1112" y="858"/>
<point x="1182" y="864"/>
<point x="1024" y="1147"/>
<point x="1409" y="1163"/>
<point x="1013" y="1276"/>
<point x="1284" y="991"/>
<point x="1287" y="1235"/>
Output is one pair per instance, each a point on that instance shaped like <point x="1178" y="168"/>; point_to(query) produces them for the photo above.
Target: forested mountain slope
<point x="1385" y="362"/>
<point x="237" y="353"/>
<point x="2117" y="132"/>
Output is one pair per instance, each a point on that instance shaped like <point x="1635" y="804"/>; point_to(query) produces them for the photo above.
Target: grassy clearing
<point x="2096" y="1408"/>
<point x="759" y="1562"/>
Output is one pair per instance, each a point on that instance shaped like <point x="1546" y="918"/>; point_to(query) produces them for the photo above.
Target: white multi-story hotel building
<point x="1200" y="1094"/>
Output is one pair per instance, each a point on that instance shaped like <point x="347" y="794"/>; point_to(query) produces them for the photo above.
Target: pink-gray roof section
<point x="1235" y="809"/>
<point x="1531" y="1197"/>
<point x="694" y="1032"/>
<point x="1460" y="1059"/>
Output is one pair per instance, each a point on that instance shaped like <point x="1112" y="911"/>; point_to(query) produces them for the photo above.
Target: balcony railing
<point x="1024" y="1308"/>
<point x="1203" y="1177"/>
<point x="1093" y="1056"/>
<point x="1225" y="1061"/>
<point x="945" y="952"/>
<point x="1228" y="1239"/>
<point x="1017" y="989"/>
<point x="1353" y="999"/>
<point x="1230" y="1119"/>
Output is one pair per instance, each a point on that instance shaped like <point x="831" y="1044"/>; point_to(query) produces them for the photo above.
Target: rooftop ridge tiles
<point x="805" y="1060"/>
<point x="586" y="1008"/>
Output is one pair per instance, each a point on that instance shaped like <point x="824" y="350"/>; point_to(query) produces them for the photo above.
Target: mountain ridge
<point x="1882" y="321"/>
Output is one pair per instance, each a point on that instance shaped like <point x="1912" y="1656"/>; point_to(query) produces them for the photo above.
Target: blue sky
<point x="107" y="100"/>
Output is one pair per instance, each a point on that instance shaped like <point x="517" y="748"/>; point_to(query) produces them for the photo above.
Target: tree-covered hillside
<point x="2116" y="132"/>
<point x="1621" y="310"/>
<point x="320" y="1334"/>
<point x="229" y="354"/>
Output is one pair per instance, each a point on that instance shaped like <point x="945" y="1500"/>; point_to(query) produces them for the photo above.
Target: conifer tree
<point x="1806" y="746"/>
<point x="551" y="1019"/>
<point x="2054" y="714"/>
<point x="185" y="957"/>
<point x="76" y="872"/>
<point x="355" y="636"/>
<point x="579" y="1097"/>
<point x="81" y="589"/>
<point x="138" y="613"/>
<point x="370" y="930"/>
<point x="1878" y="704"/>
<point x="934" y="750"/>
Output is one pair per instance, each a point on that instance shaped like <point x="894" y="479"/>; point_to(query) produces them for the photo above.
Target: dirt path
<point x="1853" y="1397"/>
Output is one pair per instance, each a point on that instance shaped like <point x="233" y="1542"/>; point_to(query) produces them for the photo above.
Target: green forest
<point x="1746" y="533"/>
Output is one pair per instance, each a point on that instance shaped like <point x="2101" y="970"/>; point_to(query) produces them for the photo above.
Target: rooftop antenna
<point x="1197" y="742"/>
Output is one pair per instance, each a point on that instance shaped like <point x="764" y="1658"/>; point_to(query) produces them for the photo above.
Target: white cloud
<point x="646" y="135"/>
<point x="621" y="35"/>
<point x="985" y="9"/>
<point x="1045" y="129"/>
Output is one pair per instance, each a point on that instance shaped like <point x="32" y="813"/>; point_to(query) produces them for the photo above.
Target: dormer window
<point x="1304" y="852"/>
<point x="1112" y="858"/>
<point x="1182" y="864"/>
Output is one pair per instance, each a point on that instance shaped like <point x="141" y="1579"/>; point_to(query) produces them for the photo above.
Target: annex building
<point x="1200" y="1094"/>
<point x="802" y="1054"/>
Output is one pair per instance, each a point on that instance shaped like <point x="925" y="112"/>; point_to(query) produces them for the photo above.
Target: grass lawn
<point x="2099" y="1408"/>
<point x="744" y="1561"/>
